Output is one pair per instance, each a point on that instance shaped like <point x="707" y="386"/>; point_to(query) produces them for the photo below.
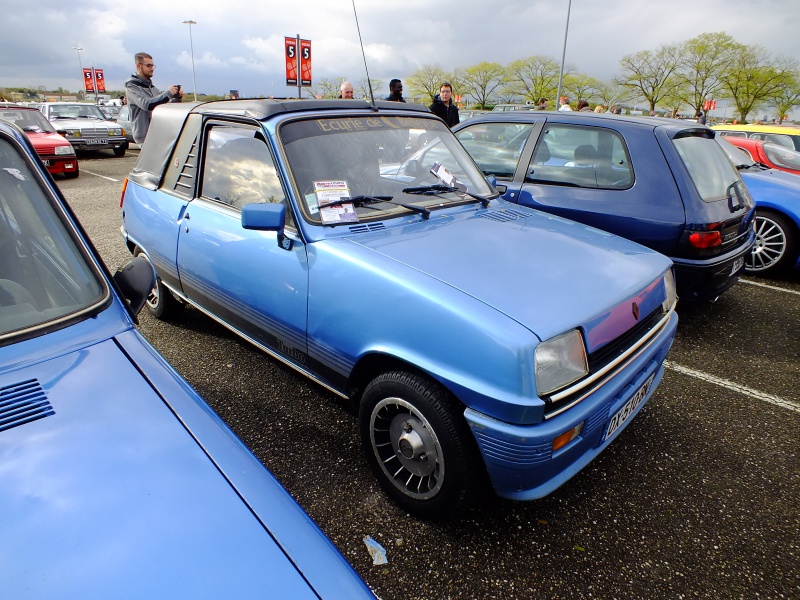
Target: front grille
<point x="22" y="403"/>
<point x="94" y="132"/>
<point x="601" y="357"/>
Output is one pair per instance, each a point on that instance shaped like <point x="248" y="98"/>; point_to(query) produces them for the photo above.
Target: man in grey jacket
<point x="143" y="96"/>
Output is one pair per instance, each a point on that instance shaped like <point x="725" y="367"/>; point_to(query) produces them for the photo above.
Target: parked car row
<point x="117" y="477"/>
<point x="85" y="126"/>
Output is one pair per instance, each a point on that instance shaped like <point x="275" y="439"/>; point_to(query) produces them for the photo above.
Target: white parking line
<point x="98" y="175"/>
<point x="769" y="287"/>
<point x="758" y="395"/>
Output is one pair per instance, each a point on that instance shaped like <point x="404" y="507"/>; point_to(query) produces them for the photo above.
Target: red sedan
<point x="772" y="155"/>
<point x="56" y="152"/>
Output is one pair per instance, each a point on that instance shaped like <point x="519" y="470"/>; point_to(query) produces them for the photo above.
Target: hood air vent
<point x="22" y="403"/>
<point x="504" y="215"/>
<point x="367" y="227"/>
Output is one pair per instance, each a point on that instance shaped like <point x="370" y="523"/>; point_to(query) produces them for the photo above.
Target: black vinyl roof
<point x="168" y="119"/>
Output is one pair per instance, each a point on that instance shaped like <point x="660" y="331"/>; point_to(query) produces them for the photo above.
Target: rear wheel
<point x="160" y="302"/>
<point x="419" y="445"/>
<point x="775" y="249"/>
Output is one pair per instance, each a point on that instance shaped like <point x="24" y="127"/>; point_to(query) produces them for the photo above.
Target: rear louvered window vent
<point x="22" y="403"/>
<point x="504" y="215"/>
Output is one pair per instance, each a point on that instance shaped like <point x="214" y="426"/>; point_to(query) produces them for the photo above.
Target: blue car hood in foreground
<point x="110" y="497"/>
<point x="515" y="261"/>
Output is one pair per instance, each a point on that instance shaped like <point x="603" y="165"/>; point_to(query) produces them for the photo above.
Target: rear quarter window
<point x="709" y="167"/>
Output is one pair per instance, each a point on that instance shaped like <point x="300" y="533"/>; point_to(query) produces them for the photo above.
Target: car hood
<point x="547" y="273"/>
<point x="80" y="123"/>
<point x="46" y="139"/>
<point x="108" y="495"/>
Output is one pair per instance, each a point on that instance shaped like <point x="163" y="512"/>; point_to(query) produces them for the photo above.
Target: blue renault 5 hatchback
<point x="116" y="479"/>
<point x="663" y="183"/>
<point x="476" y="338"/>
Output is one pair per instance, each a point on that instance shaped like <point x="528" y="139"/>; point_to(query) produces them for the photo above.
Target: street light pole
<point x="189" y="22"/>
<point x="563" y="55"/>
<point x="80" y="62"/>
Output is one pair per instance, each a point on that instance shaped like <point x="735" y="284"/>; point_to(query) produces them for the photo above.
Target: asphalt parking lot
<point x="698" y="498"/>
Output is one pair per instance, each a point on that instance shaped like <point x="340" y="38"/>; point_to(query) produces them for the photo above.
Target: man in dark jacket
<point x="444" y="107"/>
<point x="143" y="96"/>
<point x="395" y="91"/>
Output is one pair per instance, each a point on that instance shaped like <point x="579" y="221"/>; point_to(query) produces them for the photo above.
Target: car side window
<point x="590" y="157"/>
<point x="238" y="168"/>
<point x="495" y="147"/>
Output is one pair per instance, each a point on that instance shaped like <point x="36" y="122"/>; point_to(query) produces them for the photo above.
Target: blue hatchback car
<point x="474" y="337"/>
<point x="777" y="223"/>
<point x="116" y="479"/>
<point x="663" y="183"/>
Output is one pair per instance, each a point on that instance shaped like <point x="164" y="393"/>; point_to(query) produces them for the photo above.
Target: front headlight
<point x="560" y="361"/>
<point x="672" y="294"/>
<point x="64" y="150"/>
<point x="115" y="132"/>
<point x="76" y="133"/>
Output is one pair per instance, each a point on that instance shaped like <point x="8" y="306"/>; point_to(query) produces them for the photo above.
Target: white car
<point x="85" y="126"/>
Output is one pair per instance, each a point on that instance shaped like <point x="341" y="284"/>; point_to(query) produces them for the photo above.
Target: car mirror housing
<point x="135" y="280"/>
<point x="267" y="217"/>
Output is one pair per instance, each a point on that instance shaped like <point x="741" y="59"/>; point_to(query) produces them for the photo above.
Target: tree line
<point x="670" y="78"/>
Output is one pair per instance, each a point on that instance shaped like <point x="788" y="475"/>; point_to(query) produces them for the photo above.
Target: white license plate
<point x="96" y="141"/>
<point x="624" y="413"/>
<point x="737" y="264"/>
<point x="46" y="163"/>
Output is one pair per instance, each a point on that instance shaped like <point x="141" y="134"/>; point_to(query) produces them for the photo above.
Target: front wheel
<point x="160" y="301"/>
<point x="775" y="249"/>
<point x="418" y="444"/>
<point x="120" y="150"/>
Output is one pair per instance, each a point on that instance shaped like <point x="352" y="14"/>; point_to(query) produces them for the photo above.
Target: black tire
<point x="419" y="446"/>
<point x="160" y="302"/>
<point x="120" y="150"/>
<point x="775" y="250"/>
<point x="72" y="174"/>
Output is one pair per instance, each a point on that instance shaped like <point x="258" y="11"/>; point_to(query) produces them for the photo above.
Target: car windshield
<point x="45" y="278"/>
<point x="76" y="111"/>
<point x="31" y="121"/>
<point x="355" y="168"/>
<point x="710" y="168"/>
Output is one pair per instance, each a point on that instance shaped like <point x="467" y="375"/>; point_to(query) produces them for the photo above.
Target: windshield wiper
<point x="438" y="188"/>
<point x="365" y="200"/>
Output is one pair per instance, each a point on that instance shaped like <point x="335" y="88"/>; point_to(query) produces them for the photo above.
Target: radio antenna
<point x="369" y="81"/>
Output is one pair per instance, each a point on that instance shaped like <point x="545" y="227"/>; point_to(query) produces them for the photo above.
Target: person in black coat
<point x="444" y="107"/>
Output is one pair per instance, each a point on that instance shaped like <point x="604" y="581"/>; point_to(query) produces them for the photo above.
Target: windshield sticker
<point x="341" y="213"/>
<point x="311" y="202"/>
<point x="331" y="192"/>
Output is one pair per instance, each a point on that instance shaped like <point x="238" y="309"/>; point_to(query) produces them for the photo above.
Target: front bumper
<point x="520" y="459"/>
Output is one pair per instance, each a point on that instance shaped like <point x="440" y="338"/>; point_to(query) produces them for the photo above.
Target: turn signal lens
<point x="705" y="239"/>
<point x="566" y="438"/>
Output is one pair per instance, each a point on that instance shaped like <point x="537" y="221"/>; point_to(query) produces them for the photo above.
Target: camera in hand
<point x="178" y="85"/>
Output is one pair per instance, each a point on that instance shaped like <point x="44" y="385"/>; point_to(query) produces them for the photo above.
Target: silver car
<point x="85" y="126"/>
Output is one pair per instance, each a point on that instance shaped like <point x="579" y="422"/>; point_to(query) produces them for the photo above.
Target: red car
<point x="772" y="155"/>
<point x="56" y="152"/>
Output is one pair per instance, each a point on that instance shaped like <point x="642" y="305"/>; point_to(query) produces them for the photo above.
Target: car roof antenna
<point x="369" y="81"/>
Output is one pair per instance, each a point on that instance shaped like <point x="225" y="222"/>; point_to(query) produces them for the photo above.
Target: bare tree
<point x="787" y="97"/>
<point x="651" y="74"/>
<point x="326" y="88"/>
<point x="361" y="88"/>
<point x="581" y="87"/>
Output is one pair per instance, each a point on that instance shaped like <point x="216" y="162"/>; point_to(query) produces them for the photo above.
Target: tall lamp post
<point x="191" y="46"/>
<point x="80" y="62"/>
<point x="563" y="55"/>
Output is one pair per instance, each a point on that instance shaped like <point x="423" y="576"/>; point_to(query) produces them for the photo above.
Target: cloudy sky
<point x="238" y="44"/>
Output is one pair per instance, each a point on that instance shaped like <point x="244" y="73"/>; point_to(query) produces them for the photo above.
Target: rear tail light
<point x="124" y="187"/>
<point x="705" y="239"/>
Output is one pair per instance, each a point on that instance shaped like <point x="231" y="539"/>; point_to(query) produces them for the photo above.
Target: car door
<point x="244" y="278"/>
<point x="598" y="176"/>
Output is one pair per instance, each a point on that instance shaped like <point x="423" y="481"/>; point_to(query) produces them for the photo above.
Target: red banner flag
<point x="305" y="62"/>
<point x="88" y="82"/>
<point x="101" y="83"/>
<point x="291" y="60"/>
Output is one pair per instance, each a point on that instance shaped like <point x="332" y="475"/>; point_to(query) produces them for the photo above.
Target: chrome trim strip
<point x="258" y="345"/>
<point x="643" y="343"/>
